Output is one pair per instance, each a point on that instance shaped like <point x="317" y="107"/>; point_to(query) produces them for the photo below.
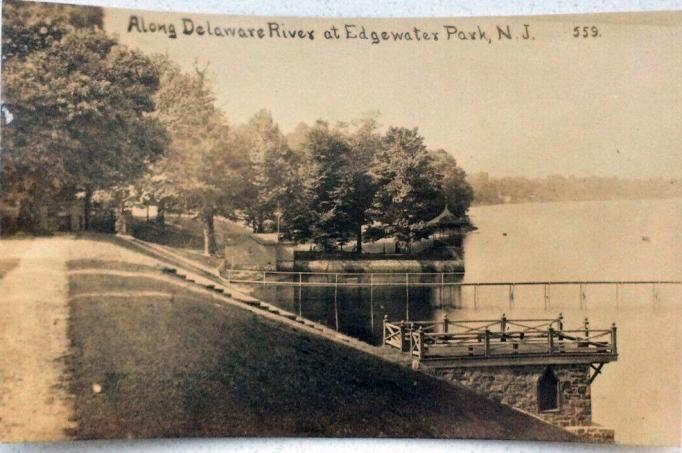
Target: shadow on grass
<point x="7" y="264"/>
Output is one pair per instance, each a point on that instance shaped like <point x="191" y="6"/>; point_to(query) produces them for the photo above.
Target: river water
<point x="639" y="395"/>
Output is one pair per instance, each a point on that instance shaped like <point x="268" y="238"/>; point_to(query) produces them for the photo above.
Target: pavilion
<point x="448" y="228"/>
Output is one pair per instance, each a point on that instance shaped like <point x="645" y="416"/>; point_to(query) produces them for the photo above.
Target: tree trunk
<point x="161" y="213"/>
<point x="210" y="246"/>
<point x="28" y="215"/>
<point x="358" y="233"/>
<point x="121" y="224"/>
<point x="87" y="207"/>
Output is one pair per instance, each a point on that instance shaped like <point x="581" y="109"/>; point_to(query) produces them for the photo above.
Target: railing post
<point x="336" y="304"/>
<point x="587" y="328"/>
<point x="300" y="294"/>
<point x="547" y="296"/>
<point x="402" y="335"/>
<point x="560" y="336"/>
<point x="445" y="323"/>
<point x="407" y="297"/>
<point x="503" y="326"/>
<point x="550" y="340"/>
<point x="486" y="343"/>
<point x="371" y="300"/>
<point x="442" y="287"/>
<point x="614" y="347"/>
<point x="383" y="338"/>
<point x="420" y="346"/>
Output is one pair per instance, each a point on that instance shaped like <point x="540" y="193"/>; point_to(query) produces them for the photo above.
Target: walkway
<point x="33" y="339"/>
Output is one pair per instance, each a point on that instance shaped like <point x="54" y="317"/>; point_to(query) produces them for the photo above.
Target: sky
<point x="598" y="106"/>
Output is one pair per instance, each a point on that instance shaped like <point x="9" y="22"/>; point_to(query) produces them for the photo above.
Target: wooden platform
<point x="501" y="342"/>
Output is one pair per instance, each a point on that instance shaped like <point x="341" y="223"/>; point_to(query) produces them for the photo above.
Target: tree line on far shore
<point x="96" y="121"/>
<point x="519" y="189"/>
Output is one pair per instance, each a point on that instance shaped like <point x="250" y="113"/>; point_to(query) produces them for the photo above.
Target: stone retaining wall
<point x="516" y="386"/>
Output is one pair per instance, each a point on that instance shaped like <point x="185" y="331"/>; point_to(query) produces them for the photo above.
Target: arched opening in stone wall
<point x="548" y="391"/>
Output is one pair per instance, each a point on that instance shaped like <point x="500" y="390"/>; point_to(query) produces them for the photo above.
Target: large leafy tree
<point x="81" y="106"/>
<point x="408" y="187"/>
<point x="274" y="181"/>
<point x="204" y="170"/>
<point x="355" y="193"/>
<point x="29" y="26"/>
<point x="339" y="185"/>
<point x="329" y="153"/>
<point x="455" y="191"/>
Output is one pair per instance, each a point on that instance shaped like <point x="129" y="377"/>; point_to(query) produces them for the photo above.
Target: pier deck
<point x="501" y="342"/>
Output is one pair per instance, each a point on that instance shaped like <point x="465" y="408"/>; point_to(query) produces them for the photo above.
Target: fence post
<point x="546" y="296"/>
<point x="550" y="340"/>
<point x="486" y="344"/>
<point x="371" y="301"/>
<point x="300" y="294"/>
<point x="445" y="323"/>
<point x="383" y="336"/>
<point x="586" y="324"/>
<point x="402" y="336"/>
<point x="421" y="343"/>
<point x="336" y="305"/>
<point x="614" y="347"/>
<point x="561" y="328"/>
<point x="503" y="326"/>
<point x="407" y="297"/>
<point x="442" y="287"/>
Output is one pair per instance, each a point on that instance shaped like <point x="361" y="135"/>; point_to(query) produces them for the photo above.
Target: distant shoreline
<point x="478" y="204"/>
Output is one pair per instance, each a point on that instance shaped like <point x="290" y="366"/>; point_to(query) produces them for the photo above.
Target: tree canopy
<point x="93" y="118"/>
<point x="408" y="194"/>
<point x="204" y="170"/>
<point x="81" y="115"/>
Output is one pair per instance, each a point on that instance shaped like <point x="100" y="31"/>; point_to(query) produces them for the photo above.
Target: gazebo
<point x="448" y="228"/>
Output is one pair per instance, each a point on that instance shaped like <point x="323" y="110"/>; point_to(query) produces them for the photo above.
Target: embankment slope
<point x="151" y="359"/>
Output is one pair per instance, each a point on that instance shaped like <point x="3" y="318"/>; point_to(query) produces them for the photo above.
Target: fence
<point x="440" y="281"/>
<point x="498" y="338"/>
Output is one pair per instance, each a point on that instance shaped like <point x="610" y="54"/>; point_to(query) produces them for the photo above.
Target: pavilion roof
<point x="447" y="219"/>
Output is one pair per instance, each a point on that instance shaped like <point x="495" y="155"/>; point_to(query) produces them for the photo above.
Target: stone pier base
<point x="519" y="386"/>
<point x="593" y="433"/>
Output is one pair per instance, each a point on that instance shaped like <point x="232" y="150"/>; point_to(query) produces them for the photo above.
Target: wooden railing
<point x="497" y="338"/>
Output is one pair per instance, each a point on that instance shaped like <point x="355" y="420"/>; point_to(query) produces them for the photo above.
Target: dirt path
<point x="33" y="336"/>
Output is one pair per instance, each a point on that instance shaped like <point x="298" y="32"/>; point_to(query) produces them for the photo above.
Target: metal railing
<point x="411" y="280"/>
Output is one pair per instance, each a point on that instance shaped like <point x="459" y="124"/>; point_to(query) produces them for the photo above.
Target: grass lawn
<point x="183" y="366"/>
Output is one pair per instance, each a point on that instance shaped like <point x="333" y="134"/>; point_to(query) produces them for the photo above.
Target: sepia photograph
<point x="232" y="226"/>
